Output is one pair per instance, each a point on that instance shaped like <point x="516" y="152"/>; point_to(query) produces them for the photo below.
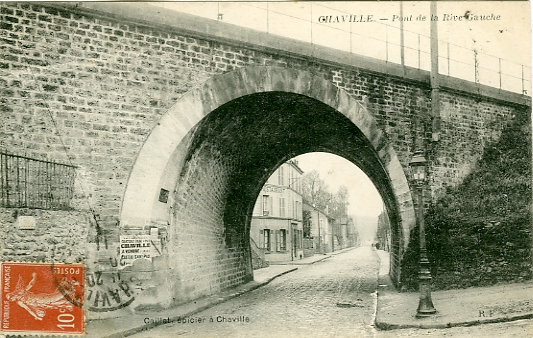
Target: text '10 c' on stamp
<point x="42" y="298"/>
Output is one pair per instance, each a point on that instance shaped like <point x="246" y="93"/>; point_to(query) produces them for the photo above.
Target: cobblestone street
<point x="331" y="298"/>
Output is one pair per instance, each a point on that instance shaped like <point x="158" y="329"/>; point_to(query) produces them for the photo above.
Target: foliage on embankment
<point x="479" y="233"/>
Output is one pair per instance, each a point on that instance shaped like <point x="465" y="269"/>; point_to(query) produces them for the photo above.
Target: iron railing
<point x="34" y="183"/>
<point x="379" y="40"/>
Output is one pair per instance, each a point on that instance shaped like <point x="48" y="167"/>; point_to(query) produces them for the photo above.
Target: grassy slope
<point x="480" y="232"/>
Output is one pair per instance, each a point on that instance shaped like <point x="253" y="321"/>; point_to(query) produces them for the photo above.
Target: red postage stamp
<point x="42" y="298"/>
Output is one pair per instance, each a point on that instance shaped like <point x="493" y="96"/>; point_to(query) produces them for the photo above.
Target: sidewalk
<point x="134" y="323"/>
<point x="312" y="259"/>
<point x="465" y="307"/>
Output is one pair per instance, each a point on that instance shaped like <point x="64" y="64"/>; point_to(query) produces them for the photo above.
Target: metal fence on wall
<point x="381" y="40"/>
<point x="33" y="183"/>
<point x="454" y="60"/>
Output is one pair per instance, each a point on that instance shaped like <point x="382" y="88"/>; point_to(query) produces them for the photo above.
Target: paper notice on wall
<point x="133" y="247"/>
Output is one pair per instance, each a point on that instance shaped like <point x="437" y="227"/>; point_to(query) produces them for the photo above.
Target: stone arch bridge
<point x="174" y="123"/>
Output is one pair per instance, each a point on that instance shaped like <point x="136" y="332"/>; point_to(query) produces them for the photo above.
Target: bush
<point x="479" y="233"/>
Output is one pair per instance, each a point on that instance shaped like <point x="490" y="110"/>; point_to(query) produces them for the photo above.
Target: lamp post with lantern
<point x="425" y="305"/>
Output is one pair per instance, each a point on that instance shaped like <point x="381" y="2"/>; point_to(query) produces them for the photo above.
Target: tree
<point x="338" y="205"/>
<point x="314" y="190"/>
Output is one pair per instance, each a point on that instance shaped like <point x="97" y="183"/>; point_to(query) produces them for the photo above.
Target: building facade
<point x="383" y="234"/>
<point x="346" y="235"/>
<point x="321" y="230"/>
<point x="276" y="227"/>
<point x="352" y="237"/>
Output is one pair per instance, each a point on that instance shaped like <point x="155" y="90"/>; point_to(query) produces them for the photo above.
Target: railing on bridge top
<point x="309" y="22"/>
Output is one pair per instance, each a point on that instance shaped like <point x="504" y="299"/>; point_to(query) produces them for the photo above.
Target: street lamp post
<point x="425" y="305"/>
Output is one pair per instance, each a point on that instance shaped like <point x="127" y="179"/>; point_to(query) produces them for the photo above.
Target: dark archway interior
<point x="258" y="132"/>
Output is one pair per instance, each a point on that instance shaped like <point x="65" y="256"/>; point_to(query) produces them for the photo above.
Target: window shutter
<point x="278" y="241"/>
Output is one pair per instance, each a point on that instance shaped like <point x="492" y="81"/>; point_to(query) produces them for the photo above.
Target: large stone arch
<point x="169" y="159"/>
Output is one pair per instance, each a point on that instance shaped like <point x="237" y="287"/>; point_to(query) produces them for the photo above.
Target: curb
<point x="384" y="279"/>
<point x="298" y="263"/>
<point x="344" y="250"/>
<point x="325" y="256"/>
<point x="252" y="286"/>
<point x="386" y="326"/>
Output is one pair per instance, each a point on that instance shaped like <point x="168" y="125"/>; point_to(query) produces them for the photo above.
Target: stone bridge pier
<point x="216" y="147"/>
<point x="170" y="124"/>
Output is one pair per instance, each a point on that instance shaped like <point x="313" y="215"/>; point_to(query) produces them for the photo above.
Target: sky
<point x="498" y="43"/>
<point x="365" y="203"/>
<point x="336" y="171"/>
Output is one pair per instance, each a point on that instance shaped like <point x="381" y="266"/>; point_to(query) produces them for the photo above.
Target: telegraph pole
<point x="434" y="79"/>
<point x="402" y="43"/>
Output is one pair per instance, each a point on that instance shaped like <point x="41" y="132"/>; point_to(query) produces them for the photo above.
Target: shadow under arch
<point x="217" y="146"/>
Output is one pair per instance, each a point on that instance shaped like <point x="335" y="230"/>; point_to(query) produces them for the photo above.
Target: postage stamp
<point x="42" y="298"/>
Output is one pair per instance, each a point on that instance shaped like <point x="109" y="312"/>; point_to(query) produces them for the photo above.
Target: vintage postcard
<point x="266" y="169"/>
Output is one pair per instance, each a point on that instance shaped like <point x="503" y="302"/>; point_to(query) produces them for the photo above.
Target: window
<point x="283" y="240"/>
<point x="266" y="205"/>
<point x="281" y="178"/>
<point x="266" y="239"/>
<point x="291" y="180"/>
<point x="282" y="207"/>
<point x="293" y="209"/>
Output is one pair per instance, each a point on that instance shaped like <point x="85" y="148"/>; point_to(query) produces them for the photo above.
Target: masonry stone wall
<point x="105" y="83"/>
<point x="208" y="261"/>
<point x="467" y="125"/>
<point x="87" y="88"/>
<point x="57" y="236"/>
<point x="467" y="122"/>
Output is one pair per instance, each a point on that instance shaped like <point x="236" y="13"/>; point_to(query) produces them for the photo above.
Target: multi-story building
<point x="345" y="233"/>
<point x="341" y="232"/>
<point x="321" y="229"/>
<point x="276" y="227"/>
<point x="352" y="237"/>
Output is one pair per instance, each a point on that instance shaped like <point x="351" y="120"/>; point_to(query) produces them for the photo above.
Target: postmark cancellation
<point x="42" y="298"/>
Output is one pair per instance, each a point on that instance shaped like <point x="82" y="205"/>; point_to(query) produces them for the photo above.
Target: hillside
<point x="480" y="233"/>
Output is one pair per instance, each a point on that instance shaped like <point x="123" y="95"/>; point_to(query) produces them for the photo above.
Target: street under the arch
<point x="218" y="168"/>
<point x="303" y="303"/>
<point x="314" y="301"/>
